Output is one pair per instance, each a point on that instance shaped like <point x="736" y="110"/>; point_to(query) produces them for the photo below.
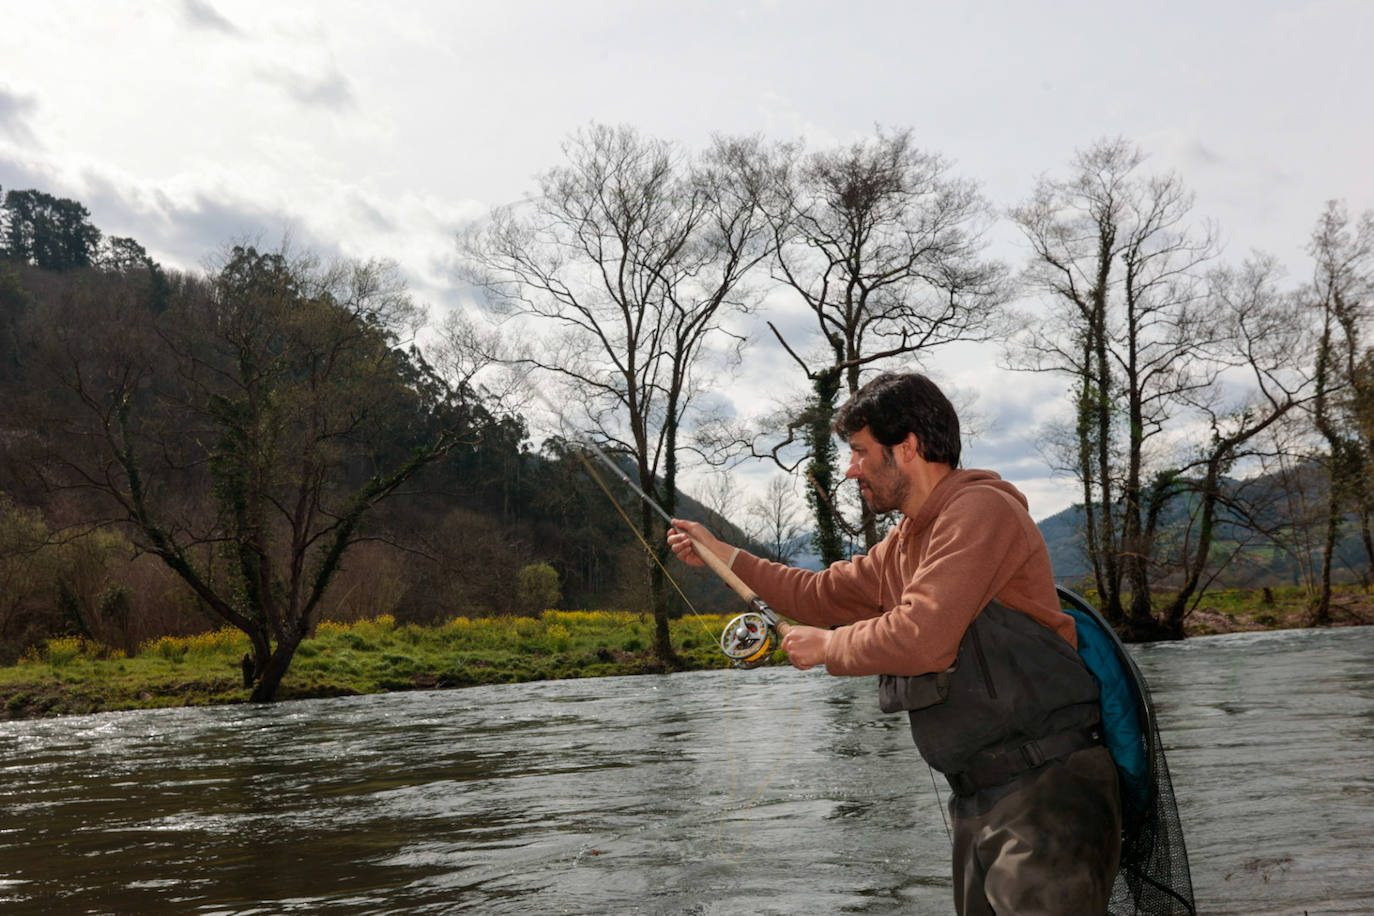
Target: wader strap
<point x="994" y="768"/>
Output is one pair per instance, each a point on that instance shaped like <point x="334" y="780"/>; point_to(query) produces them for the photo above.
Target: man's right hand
<point x="683" y="533"/>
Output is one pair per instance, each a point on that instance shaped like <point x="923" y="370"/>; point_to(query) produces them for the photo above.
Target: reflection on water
<point x="1271" y="739"/>
<point x="769" y="791"/>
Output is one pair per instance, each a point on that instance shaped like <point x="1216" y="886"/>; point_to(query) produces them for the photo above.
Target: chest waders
<point x="1019" y="696"/>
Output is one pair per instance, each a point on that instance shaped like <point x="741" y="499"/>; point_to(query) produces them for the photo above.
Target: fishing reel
<point x="751" y="638"/>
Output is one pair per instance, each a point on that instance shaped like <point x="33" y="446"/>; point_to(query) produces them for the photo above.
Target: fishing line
<point x="647" y="547"/>
<point x="940" y="804"/>
<point x="749" y="639"/>
<point x="731" y="767"/>
<point x="591" y="470"/>
<point x="781" y="757"/>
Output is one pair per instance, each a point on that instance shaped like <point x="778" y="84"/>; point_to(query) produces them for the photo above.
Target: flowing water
<point x="770" y="791"/>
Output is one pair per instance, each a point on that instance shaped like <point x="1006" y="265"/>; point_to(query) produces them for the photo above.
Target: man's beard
<point x="888" y="495"/>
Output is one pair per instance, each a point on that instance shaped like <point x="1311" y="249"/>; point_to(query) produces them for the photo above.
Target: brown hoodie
<point x="909" y="601"/>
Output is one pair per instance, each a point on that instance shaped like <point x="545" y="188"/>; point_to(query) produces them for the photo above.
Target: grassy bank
<point x="371" y="656"/>
<point x="1289" y="607"/>
<point x="71" y="675"/>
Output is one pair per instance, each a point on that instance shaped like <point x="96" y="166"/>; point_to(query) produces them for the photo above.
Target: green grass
<point x="70" y="675"/>
<point x="1225" y="610"/>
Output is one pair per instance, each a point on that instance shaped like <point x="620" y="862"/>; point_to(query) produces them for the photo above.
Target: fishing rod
<point x="750" y="638"/>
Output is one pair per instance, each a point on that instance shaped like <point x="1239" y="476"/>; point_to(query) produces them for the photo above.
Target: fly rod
<point x="749" y="639"/>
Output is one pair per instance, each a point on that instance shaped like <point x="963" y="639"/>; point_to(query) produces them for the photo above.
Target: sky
<point x="370" y="129"/>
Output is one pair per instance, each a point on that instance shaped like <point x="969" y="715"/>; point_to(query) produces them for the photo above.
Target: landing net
<point x="1153" y="879"/>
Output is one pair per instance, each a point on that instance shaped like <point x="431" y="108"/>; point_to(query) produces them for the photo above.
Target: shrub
<point x="168" y="647"/>
<point x="357" y="642"/>
<point x="560" y="636"/>
<point x="538" y="588"/>
<point x="224" y="641"/>
<point x="585" y="617"/>
<point x="58" y="652"/>
<point x="375" y="627"/>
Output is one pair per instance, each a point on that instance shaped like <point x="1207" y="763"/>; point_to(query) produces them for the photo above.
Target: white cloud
<point x="376" y="129"/>
<point x="330" y="89"/>
<point x="201" y="14"/>
<point x="15" y="111"/>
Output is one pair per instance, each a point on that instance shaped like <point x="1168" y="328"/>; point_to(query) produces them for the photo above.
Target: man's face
<point x="881" y="483"/>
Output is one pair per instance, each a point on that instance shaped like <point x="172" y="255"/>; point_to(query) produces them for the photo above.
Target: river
<point x="733" y="792"/>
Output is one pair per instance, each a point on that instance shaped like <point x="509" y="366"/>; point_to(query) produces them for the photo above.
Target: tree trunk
<point x="1084" y="431"/>
<point x="1172" y="625"/>
<point x="828" y="540"/>
<point x="1321" y="612"/>
<point x="1326" y="425"/>
<point x="658" y="584"/>
<point x="1108" y="538"/>
<point x="663" y="643"/>
<point x="1366" y="536"/>
<point x="1135" y="551"/>
<point x="265" y="690"/>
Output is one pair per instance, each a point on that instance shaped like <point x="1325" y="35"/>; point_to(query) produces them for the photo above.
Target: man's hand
<point x="805" y="646"/>
<point x="680" y="538"/>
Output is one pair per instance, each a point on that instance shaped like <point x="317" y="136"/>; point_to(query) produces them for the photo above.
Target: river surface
<point x="733" y="792"/>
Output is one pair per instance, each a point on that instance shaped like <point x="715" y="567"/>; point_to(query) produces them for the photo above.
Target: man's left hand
<point x="805" y="646"/>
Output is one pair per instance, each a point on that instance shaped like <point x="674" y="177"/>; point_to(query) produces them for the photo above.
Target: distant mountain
<point x="1250" y="560"/>
<point x="1063" y="533"/>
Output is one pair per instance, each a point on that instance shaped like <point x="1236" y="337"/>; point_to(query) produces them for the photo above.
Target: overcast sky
<point x="378" y="130"/>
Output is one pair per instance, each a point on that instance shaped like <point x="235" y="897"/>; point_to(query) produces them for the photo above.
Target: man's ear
<point x="910" y="448"/>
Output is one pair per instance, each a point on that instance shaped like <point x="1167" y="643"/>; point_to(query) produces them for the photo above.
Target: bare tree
<point x="1342" y="283"/>
<point x="778" y="521"/>
<point x="619" y="275"/>
<point x="1119" y="268"/>
<point x="721" y="495"/>
<point x="243" y="435"/>
<point x="885" y="248"/>
<point x="1265" y="338"/>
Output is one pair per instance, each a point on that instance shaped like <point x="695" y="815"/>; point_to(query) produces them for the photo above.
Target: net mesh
<point x="1153" y="879"/>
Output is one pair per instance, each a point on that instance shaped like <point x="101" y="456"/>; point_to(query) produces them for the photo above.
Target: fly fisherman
<point x="956" y="611"/>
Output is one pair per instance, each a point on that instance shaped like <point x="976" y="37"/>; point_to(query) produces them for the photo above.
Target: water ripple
<point x="718" y="793"/>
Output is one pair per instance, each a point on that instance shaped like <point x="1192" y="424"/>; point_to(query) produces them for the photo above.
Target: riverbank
<point x="1289" y="608"/>
<point x="73" y="676"/>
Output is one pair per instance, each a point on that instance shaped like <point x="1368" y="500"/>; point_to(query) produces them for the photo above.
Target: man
<point x="956" y="611"/>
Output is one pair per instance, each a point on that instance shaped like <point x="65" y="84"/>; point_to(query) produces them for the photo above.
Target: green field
<point x="71" y="675"/>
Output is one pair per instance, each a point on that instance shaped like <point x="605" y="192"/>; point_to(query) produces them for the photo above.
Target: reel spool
<point x="749" y="640"/>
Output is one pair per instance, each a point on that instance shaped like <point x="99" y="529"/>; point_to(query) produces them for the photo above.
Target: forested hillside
<point x="261" y="446"/>
<point x="1253" y="547"/>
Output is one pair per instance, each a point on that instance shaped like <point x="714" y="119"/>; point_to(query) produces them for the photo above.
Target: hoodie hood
<point x="950" y="486"/>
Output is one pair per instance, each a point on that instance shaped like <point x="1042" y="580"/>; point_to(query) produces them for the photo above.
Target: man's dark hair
<point x="897" y="403"/>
